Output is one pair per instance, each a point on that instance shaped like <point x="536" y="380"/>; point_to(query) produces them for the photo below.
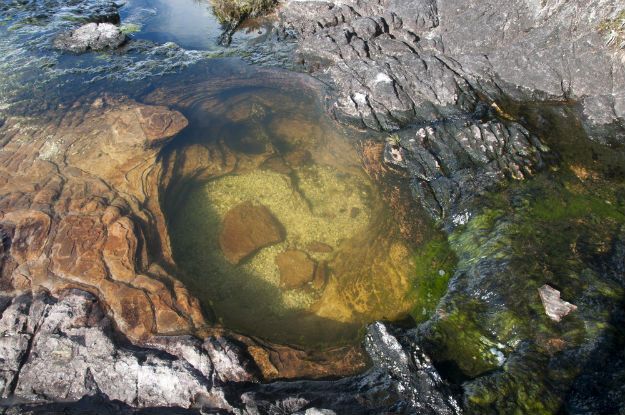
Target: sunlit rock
<point x="555" y="308"/>
<point x="92" y="36"/>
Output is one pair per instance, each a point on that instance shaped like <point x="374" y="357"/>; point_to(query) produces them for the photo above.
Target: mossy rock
<point x="553" y="229"/>
<point x="233" y="12"/>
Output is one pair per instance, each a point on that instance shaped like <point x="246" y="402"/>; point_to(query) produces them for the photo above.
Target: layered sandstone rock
<point x="80" y="208"/>
<point x="74" y="198"/>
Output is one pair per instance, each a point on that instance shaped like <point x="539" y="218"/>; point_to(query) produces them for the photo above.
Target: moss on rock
<point x="234" y="11"/>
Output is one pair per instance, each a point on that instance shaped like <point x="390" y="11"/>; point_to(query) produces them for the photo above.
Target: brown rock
<point x="319" y="280"/>
<point x="276" y="164"/>
<point x="319" y="247"/>
<point x="298" y="157"/>
<point x="30" y="234"/>
<point x="296" y="268"/>
<point x="246" y="229"/>
<point x="120" y="248"/>
<point x="77" y="249"/>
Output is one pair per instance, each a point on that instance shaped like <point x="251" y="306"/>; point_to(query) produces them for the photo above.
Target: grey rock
<point x="453" y="162"/>
<point x="402" y="379"/>
<point x="91" y="36"/>
<point x="63" y="349"/>
<point x="396" y="64"/>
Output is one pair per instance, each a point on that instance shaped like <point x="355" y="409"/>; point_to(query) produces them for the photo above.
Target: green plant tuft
<point x="232" y="12"/>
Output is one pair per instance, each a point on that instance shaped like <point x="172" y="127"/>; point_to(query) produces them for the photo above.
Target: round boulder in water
<point x="296" y="269"/>
<point x="246" y="229"/>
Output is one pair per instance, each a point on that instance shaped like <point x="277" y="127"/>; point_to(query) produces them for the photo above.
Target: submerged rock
<point x="296" y="269"/>
<point x="555" y="308"/>
<point x="92" y="36"/>
<point x="247" y="228"/>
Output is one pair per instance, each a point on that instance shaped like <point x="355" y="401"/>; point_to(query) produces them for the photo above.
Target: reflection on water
<point x="188" y="23"/>
<point x="278" y="150"/>
<point x="165" y="37"/>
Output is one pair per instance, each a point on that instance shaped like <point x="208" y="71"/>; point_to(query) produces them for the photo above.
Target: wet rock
<point x="298" y="157"/>
<point x="276" y="164"/>
<point x="319" y="279"/>
<point x="92" y="36"/>
<point x="247" y="228"/>
<point x="453" y="162"/>
<point x="319" y="247"/>
<point x="555" y="307"/>
<point x="296" y="269"/>
<point x="402" y="379"/>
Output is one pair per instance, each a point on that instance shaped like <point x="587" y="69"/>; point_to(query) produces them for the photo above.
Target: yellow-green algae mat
<point x="369" y="268"/>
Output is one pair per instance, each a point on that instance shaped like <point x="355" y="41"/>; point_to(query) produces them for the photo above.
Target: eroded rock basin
<point x="275" y="225"/>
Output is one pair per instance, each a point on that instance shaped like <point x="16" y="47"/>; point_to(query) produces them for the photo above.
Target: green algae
<point x="435" y="263"/>
<point x="558" y="228"/>
<point x="551" y="229"/>
<point x="130" y="28"/>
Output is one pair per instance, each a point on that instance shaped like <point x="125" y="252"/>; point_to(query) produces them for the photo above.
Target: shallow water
<point x="277" y="148"/>
<point x="288" y="156"/>
<point x="165" y="38"/>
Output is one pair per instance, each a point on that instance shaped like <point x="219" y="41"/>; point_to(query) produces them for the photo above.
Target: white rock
<point x="554" y="306"/>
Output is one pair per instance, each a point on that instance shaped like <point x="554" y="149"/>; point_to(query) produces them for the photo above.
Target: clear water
<point x="261" y="133"/>
<point x="240" y="116"/>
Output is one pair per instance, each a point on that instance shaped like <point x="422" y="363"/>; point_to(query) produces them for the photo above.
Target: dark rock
<point x="296" y="269"/>
<point x="452" y="162"/>
<point x="246" y="229"/>
<point x="276" y="164"/>
<point x="92" y="36"/>
<point x="402" y="379"/>
<point x="319" y="279"/>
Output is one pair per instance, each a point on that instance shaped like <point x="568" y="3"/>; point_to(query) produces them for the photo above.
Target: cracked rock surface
<point x="65" y="348"/>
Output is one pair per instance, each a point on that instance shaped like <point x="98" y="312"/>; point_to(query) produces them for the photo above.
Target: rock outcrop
<point x="66" y="348"/>
<point x="396" y="62"/>
<point x="80" y="208"/>
<point x="436" y="68"/>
